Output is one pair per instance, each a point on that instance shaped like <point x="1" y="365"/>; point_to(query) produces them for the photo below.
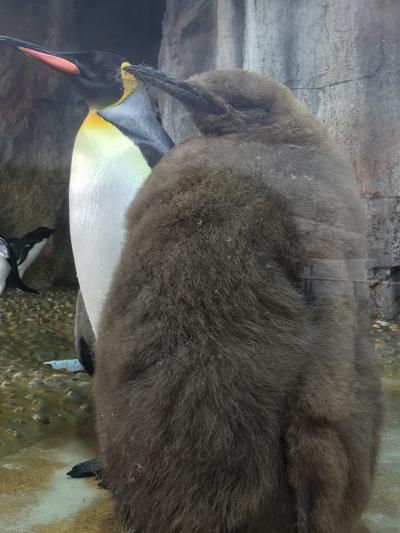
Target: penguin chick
<point x="225" y="401"/>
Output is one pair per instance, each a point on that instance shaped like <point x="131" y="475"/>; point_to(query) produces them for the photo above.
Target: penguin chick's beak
<point x="56" y="60"/>
<point x="183" y="91"/>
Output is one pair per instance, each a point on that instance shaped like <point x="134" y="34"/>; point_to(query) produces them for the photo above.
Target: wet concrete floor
<point x="46" y="425"/>
<point x="383" y="515"/>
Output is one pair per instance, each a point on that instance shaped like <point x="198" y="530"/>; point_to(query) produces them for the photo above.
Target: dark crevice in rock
<point x="131" y="29"/>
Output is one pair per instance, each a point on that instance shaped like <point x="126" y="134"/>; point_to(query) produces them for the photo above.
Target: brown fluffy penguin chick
<point x="226" y="401"/>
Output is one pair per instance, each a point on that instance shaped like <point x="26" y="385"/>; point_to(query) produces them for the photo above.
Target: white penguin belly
<point x="106" y="172"/>
<point x="32" y="255"/>
<point x="5" y="269"/>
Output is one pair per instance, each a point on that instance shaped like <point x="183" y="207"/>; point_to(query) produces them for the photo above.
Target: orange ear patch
<point x="59" y="63"/>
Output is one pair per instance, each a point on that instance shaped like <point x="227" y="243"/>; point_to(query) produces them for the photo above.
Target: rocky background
<point x="340" y="56"/>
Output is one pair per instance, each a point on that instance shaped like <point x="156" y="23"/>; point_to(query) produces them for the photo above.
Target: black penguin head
<point x="98" y="76"/>
<point x="37" y="235"/>
<point x="226" y="101"/>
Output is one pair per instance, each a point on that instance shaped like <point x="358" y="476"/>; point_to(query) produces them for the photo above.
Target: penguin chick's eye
<point x="242" y="105"/>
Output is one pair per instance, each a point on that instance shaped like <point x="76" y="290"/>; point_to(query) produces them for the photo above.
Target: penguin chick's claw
<point x="91" y="468"/>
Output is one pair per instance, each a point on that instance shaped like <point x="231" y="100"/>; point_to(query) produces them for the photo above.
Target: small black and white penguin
<point x="26" y="250"/>
<point x="9" y="268"/>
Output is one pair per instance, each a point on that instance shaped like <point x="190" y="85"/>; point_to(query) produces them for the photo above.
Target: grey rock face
<point x="341" y="58"/>
<point x="39" y="116"/>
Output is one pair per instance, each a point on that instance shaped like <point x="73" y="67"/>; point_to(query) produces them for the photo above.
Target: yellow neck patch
<point x="129" y="83"/>
<point x="94" y="121"/>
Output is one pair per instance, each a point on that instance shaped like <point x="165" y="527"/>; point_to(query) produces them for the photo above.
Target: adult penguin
<point x="226" y="401"/>
<point x="26" y="250"/>
<point x="9" y="266"/>
<point x="118" y="143"/>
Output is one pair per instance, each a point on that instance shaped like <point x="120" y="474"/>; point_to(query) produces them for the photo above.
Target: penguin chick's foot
<point x="91" y="468"/>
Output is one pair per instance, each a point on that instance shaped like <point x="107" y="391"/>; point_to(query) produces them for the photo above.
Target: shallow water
<point x="46" y="425"/>
<point x="37" y="497"/>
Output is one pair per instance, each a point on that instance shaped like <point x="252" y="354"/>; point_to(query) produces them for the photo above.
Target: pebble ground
<point x="37" y="402"/>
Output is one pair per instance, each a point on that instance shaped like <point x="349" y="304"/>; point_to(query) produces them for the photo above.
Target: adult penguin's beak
<point x="185" y="92"/>
<point x="61" y="61"/>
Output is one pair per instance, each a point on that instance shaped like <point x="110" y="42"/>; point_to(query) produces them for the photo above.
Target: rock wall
<point x="38" y="118"/>
<point x="40" y="113"/>
<point x="341" y="58"/>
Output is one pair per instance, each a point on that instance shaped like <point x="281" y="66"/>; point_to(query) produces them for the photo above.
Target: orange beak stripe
<point x="59" y="63"/>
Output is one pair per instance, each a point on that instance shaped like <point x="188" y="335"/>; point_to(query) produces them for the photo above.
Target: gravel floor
<point x="37" y="402"/>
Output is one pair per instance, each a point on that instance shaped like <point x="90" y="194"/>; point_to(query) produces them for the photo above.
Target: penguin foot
<point x="91" y="468"/>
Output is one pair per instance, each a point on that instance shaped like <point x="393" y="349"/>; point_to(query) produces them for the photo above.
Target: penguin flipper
<point x="90" y="468"/>
<point x="84" y="336"/>
<point x="19" y="250"/>
<point x="85" y="354"/>
<point x="12" y="280"/>
<point x="23" y="254"/>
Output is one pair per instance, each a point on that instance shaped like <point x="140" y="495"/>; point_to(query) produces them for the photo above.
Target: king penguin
<point x="118" y="143"/>
<point x="232" y="402"/>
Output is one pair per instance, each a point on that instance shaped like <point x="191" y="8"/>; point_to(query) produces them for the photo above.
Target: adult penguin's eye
<point x="242" y="105"/>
